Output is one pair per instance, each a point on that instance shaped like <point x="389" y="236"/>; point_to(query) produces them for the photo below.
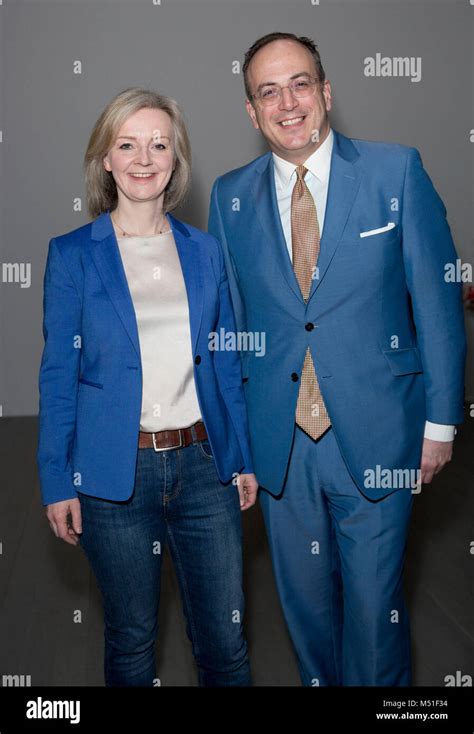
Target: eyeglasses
<point x="271" y="93"/>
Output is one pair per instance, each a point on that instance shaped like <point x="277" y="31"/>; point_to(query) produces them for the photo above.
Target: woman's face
<point x="143" y="146"/>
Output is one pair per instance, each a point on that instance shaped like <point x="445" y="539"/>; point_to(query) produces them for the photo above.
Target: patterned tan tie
<point x="311" y="413"/>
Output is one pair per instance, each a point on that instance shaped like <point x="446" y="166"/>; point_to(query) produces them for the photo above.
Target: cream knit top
<point x="156" y="284"/>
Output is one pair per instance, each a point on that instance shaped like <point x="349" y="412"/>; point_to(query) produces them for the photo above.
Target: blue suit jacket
<point x="388" y="344"/>
<point x="91" y="377"/>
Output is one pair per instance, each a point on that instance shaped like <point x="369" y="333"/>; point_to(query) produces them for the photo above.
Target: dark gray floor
<point x="50" y="609"/>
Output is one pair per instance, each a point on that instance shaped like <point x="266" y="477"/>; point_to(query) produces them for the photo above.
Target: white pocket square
<point x="370" y="232"/>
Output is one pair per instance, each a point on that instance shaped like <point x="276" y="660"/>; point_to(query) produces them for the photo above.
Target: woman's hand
<point x="247" y="485"/>
<point x="57" y="514"/>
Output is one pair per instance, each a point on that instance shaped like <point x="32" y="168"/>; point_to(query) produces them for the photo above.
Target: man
<point x="336" y="251"/>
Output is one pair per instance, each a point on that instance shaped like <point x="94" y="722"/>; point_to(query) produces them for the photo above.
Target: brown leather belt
<point x="174" y="439"/>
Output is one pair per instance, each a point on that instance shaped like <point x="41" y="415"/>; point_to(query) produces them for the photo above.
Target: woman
<point x="143" y="428"/>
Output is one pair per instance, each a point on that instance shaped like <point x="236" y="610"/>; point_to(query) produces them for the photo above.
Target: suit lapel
<point x="106" y="255"/>
<point x="344" y="182"/>
<point x="266" y="206"/>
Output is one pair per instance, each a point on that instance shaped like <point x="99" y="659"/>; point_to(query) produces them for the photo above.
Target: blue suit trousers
<point x="338" y="562"/>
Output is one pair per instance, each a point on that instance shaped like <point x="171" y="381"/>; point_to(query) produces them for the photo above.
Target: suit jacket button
<point x="294" y="377"/>
<point x="197" y="359"/>
<point x="309" y="326"/>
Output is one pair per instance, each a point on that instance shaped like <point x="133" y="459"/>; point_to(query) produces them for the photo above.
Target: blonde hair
<point x="101" y="190"/>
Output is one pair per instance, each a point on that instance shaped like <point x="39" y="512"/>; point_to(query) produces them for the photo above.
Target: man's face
<point x="294" y="126"/>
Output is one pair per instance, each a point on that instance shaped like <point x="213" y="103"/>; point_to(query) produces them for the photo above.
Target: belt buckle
<point x="168" y="448"/>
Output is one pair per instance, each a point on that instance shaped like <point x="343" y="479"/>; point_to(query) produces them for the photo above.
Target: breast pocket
<point x="379" y="235"/>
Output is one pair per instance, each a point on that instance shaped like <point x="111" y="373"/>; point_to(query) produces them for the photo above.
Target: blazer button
<point x="309" y="326"/>
<point x="197" y="359"/>
<point x="294" y="377"/>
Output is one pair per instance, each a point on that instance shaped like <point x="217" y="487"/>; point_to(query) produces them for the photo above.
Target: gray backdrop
<point x="187" y="50"/>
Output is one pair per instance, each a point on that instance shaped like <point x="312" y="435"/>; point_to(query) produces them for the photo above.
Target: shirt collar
<point x="318" y="164"/>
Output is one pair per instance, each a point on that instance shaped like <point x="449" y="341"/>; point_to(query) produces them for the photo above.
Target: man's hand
<point x="247" y="485"/>
<point x="434" y="456"/>
<point x="57" y="514"/>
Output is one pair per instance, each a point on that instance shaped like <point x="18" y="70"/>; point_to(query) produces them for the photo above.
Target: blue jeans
<point x="179" y="499"/>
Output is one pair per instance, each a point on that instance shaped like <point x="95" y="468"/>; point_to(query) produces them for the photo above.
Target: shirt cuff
<point x="439" y="432"/>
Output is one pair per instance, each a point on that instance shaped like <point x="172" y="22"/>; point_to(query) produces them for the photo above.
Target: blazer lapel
<point x="344" y="182"/>
<point x="190" y="256"/>
<point x="106" y="255"/>
<point x="266" y="206"/>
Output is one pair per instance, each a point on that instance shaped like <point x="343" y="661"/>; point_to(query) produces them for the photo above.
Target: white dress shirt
<point x="317" y="180"/>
